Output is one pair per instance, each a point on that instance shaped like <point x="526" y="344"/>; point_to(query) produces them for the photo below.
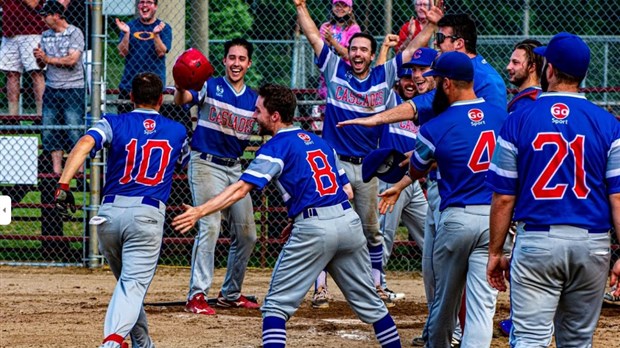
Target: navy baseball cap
<point x="422" y="57"/>
<point x="383" y="163"/>
<point x="404" y="72"/>
<point x="52" y="7"/>
<point x="453" y="65"/>
<point x="568" y="53"/>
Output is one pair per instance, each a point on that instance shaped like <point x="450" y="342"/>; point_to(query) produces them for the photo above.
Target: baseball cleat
<point x="241" y="302"/>
<point x="199" y="305"/>
<point x="385" y="297"/>
<point x="418" y="342"/>
<point x="609" y="298"/>
<point x="394" y="296"/>
<point x="505" y="326"/>
<point x="320" y="299"/>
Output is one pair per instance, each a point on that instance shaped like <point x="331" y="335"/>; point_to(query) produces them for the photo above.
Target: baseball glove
<point x="64" y="201"/>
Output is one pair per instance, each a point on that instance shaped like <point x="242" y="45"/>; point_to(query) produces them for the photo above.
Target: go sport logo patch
<point x="560" y="112"/>
<point x="476" y="116"/>
<point x="149" y="126"/>
<point x="305" y="137"/>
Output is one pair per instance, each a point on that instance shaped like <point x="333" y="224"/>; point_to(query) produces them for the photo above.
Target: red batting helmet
<point x="191" y="70"/>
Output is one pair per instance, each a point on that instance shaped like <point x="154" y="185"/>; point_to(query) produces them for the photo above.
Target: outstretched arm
<point x="308" y="27"/>
<point x="402" y="112"/>
<point x="225" y="199"/>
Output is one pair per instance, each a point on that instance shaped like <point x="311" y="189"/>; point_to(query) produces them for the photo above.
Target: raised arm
<point x="389" y="41"/>
<point x="433" y="16"/>
<point x="308" y="27"/>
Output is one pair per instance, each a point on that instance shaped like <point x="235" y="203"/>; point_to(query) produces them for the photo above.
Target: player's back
<point x="563" y="143"/>
<point x="307" y="174"/>
<point x="144" y="148"/>
<point x="464" y="138"/>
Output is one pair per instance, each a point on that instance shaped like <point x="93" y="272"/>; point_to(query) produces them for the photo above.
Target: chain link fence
<point x="28" y="173"/>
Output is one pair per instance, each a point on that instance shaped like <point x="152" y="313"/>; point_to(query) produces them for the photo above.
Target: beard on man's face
<point x="440" y="101"/>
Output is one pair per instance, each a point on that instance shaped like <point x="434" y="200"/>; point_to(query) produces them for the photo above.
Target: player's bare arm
<point x="390" y="196"/>
<point x="308" y="27"/>
<point x="403" y="112"/>
<point x="501" y="215"/>
<point x="76" y="158"/>
<point x="389" y="41"/>
<point x="182" y="96"/>
<point x="231" y="195"/>
<point x="348" y="189"/>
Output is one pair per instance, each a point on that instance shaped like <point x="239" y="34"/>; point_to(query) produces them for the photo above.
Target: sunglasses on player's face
<point x="441" y="37"/>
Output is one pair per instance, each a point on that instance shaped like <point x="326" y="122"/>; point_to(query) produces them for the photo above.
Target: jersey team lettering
<point x="368" y="100"/>
<point x="228" y="119"/>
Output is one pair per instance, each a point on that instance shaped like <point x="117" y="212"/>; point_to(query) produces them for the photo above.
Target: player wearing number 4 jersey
<point x="557" y="166"/>
<point x="461" y="139"/>
<point x="143" y="149"/>
<point x="326" y="233"/>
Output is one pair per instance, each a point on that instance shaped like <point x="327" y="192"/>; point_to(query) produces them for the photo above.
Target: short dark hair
<point x="239" y="41"/>
<point x="565" y="78"/>
<point x="373" y="42"/>
<point x="462" y="26"/>
<point x="146" y="88"/>
<point x="279" y="98"/>
<point x="528" y="46"/>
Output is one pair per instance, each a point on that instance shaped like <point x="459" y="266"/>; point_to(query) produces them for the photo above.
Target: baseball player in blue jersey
<point x="355" y="91"/>
<point x="223" y="131"/>
<point x="557" y="168"/>
<point x="461" y="139"/>
<point x="143" y="149"/>
<point x="327" y="233"/>
<point x="456" y="32"/>
<point x="411" y="206"/>
<point x="524" y="69"/>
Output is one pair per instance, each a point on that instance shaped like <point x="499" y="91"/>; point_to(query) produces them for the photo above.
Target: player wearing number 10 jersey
<point x="143" y="149"/>
<point x="557" y="166"/>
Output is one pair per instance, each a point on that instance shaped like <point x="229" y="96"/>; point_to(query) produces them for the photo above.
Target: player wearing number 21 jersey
<point x="557" y="167"/>
<point x="143" y="149"/>
<point x="327" y="233"/>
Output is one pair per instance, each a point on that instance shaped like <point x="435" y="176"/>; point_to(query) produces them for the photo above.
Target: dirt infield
<point x="65" y="307"/>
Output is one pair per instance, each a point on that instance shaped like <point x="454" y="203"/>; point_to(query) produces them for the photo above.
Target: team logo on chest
<point x="476" y="116"/>
<point x="560" y="112"/>
<point x="305" y="137"/>
<point x="149" y="126"/>
<point x="219" y="90"/>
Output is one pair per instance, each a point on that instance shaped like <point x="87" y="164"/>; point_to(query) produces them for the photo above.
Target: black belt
<point x="547" y="228"/>
<point x="351" y="159"/>
<point x="310" y="212"/>
<point x="228" y="162"/>
<point x="145" y="200"/>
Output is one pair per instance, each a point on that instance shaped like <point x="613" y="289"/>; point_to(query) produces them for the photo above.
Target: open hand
<point x="159" y="27"/>
<point x="498" y="271"/>
<point x="122" y="26"/>
<point x="184" y="222"/>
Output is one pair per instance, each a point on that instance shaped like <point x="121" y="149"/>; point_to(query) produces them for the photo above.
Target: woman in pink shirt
<point x="337" y="32"/>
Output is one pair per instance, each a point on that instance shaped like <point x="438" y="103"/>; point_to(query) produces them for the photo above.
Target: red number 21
<point x="541" y="189"/>
<point x="145" y="162"/>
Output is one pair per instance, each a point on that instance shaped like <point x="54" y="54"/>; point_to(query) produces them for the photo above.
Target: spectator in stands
<point x="21" y="30"/>
<point x="144" y="42"/>
<point x="412" y="28"/>
<point x="63" y="101"/>
<point x="78" y="14"/>
<point x="337" y="32"/>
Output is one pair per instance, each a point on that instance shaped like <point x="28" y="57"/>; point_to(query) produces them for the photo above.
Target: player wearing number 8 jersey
<point x="461" y="139"/>
<point x="143" y="149"/>
<point x="326" y="233"/>
<point x="557" y="166"/>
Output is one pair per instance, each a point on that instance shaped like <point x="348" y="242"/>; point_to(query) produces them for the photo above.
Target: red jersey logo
<point x="303" y="136"/>
<point x="560" y="111"/>
<point x="475" y="115"/>
<point x="149" y="125"/>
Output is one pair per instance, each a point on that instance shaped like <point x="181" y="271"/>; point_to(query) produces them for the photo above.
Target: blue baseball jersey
<point x="144" y="148"/>
<point x="142" y="56"/>
<point x="524" y="98"/>
<point x="461" y="140"/>
<point x="225" y="120"/>
<point x="305" y="169"/>
<point x="488" y="84"/>
<point x="349" y="98"/>
<point x="561" y="158"/>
